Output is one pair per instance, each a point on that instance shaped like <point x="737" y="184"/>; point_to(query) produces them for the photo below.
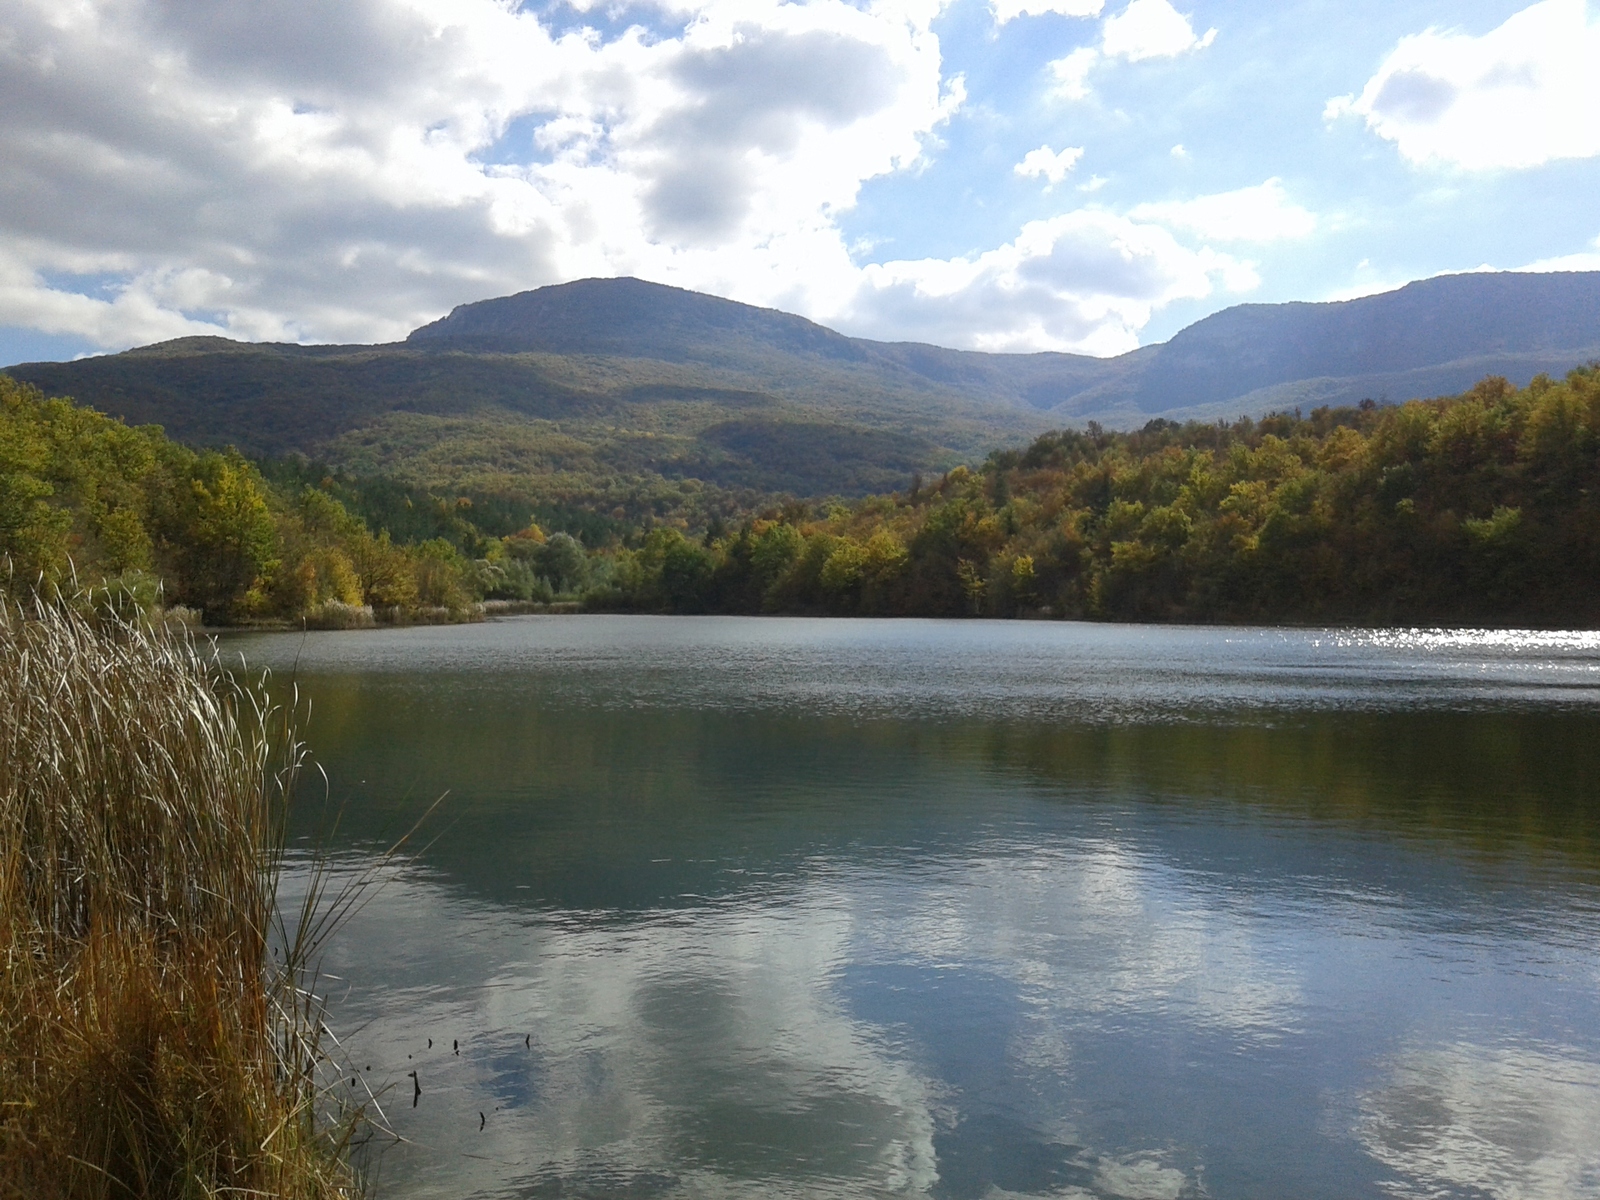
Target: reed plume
<point x="157" y="1035"/>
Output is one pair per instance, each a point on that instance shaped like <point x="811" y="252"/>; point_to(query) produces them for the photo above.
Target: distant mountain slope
<point x="1407" y="342"/>
<point x="633" y="380"/>
<point x="634" y="319"/>
<point x="449" y="417"/>
<point x="1400" y="342"/>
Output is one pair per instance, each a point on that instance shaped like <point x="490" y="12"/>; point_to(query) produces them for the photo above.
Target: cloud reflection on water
<point x="855" y="1031"/>
<point x="703" y="1052"/>
<point x="1099" y="928"/>
<point x="722" y="1050"/>
<point x="1518" y="1122"/>
<point x="761" y="946"/>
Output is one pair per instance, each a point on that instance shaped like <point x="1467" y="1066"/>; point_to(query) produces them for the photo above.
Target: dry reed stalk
<point x="149" y="1046"/>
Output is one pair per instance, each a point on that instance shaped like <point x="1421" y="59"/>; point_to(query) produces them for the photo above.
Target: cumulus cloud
<point x="1584" y="260"/>
<point x="1084" y="281"/>
<point x="1151" y="29"/>
<point x="1523" y="94"/>
<point x="1010" y="10"/>
<point x="1045" y="163"/>
<point x="1145" y="29"/>
<point x="344" y="170"/>
<point x="1263" y="213"/>
<point x="1070" y="73"/>
<point x="131" y="313"/>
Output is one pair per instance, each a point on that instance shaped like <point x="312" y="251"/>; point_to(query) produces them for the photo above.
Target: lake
<point x="832" y="908"/>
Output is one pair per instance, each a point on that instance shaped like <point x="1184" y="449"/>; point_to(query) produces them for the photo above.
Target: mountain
<point x="1432" y="337"/>
<point x="630" y="318"/>
<point x="1429" y="338"/>
<point x="636" y="383"/>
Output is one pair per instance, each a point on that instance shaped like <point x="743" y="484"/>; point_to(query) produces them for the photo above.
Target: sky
<point x="1004" y="175"/>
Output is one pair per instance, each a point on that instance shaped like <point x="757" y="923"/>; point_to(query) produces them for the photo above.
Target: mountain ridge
<point x="1513" y="315"/>
<point x="642" y="381"/>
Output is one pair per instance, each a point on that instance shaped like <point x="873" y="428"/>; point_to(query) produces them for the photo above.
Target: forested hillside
<point x="1481" y="508"/>
<point x="90" y="504"/>
<point x="619" y="395"/>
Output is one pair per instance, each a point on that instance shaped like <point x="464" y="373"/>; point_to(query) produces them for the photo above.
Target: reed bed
<point x="158" y="1037"/>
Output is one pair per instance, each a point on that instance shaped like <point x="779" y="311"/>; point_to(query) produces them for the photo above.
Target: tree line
<point x="1483" y="507"/>
<point x="90" y="504"/>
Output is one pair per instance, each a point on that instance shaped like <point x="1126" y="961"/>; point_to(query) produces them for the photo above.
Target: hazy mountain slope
<point x="1417" y="341"/>
<point x="1447" y="379"/>
<point x="636" y="381"/>
<point x="448" y="417"/>
<point x="634" y="319"/>
<point x="268" y="399"/>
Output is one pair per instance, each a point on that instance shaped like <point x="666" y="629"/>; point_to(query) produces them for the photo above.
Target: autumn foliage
<point x="1480" y="508"/>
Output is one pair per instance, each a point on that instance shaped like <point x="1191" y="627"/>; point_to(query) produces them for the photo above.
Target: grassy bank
<point x="150" y="1044"/>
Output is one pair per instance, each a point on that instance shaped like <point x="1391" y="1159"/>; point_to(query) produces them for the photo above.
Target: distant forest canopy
<point x="647" y="403"/>
<point x="1481" y="508"/>
<point x="89" y="505"/>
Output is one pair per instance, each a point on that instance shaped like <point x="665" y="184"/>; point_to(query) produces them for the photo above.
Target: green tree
<point x="230" y="538"/>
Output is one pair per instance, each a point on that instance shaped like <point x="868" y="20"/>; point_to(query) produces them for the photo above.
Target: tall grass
<point x="156" y="1036"/>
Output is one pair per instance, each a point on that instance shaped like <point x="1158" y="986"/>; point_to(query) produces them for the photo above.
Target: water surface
<point x="769" y="907"/>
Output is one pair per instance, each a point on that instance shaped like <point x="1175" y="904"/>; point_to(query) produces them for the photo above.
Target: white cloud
<point x="1151" y="29"/>
<point x="1084" y="281"/>
<point x="1071" y="73"/>
<point x="1145" y="29"/>
<point x="1045" y="163"/>
<point x="1522" y="94"/>
<point x="134" y="312"/>
<point x="1584" y="260"/>
<point x="1263" y="213"/>
<point x="1367" y="284"/>
<point x="344" y="170"/>
<point x="1010" y="10"/>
